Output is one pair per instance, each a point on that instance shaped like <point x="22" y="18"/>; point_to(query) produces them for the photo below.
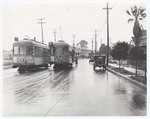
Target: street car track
<point x="31" y="91"/>
<point x="29" y="79"/>
<point x="24" y="76"/>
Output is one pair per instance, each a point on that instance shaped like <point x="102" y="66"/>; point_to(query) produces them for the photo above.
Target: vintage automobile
<point x="99" y="61"/>
<point x="91" y="59"/>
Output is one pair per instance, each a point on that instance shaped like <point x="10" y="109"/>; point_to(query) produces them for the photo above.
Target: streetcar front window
<point x="65" y="50"/>
<point x="29" y="50"/>
<point x="16" y="50"/>
<point x="22" y="50"/>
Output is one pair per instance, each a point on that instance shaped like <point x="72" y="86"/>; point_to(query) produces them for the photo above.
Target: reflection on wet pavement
<point x="78" y="91"/>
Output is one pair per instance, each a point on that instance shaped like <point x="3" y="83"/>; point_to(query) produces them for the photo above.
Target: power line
<point x="113" y="5"/>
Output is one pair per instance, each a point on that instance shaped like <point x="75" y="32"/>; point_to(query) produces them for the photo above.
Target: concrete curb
<point x="142" y="86"/>
<point x="6" y="67"/>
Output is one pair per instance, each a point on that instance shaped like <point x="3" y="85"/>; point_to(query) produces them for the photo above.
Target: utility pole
<point x="55" y="34"/>
<point x="95" y="41"/>
<point x="101" y="41"/>
<point x="41" y="22"/>
<point x="107" y="8"/>
<point x="110" y="42"/>
<point x="92" y="45"/>
<point x="73" y="36"/>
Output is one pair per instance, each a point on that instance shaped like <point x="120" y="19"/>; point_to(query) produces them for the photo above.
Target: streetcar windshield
<point x="29" y="50"/>
<point x="16" y="50"/>
<point x="22" y="50"/>
<point x="65" y="50"/>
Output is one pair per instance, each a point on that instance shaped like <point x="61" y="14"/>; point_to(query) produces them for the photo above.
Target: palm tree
<point x="137" y="14"/>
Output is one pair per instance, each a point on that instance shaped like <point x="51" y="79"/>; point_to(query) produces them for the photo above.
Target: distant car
<point x="99" y="61"/>
<point x="91" y="59"/>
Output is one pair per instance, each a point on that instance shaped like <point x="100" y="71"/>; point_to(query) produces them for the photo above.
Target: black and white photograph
<point x="74" y="58"/>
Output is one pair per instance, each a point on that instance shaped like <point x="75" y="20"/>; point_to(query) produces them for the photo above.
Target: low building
<point x="143" y="39"/>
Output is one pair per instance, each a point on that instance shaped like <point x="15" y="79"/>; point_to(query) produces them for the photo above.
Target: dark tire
<point x="93" y="67"/>
<point x="70" y="65"/>
<point x="104" y="68"/>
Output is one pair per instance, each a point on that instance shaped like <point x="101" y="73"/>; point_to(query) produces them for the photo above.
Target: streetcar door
<point x="52" y="53"/>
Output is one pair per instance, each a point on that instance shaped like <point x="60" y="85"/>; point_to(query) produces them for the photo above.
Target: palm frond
<point x="139" y="9"/>
<point x="130" y="20"/>
<point x="142" y="10"/>
<point x="135" y="9"/>
<point x="132" y="11"/>
<point x="140" y="18"/>
<point x="138" y="12"/>
<point x="143" y="15"/>
<point x="128" y="12"/>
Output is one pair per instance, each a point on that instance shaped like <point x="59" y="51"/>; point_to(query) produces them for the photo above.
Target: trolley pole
<point x="55" y="34"/>
<point x="107" y="8"/>
<point x="41" y="22"/>
<point x="61" y="32"/>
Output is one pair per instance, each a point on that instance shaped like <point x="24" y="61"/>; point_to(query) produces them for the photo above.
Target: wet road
<point x="79" y="91"/>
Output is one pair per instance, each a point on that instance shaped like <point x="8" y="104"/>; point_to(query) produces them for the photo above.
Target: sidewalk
<point x="130" y="69"/>
<point x="129" y="75"/>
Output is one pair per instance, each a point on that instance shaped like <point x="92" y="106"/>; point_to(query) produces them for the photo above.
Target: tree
<point x="103" y="49"/>
<point x="136" y="14"/>
<point x="136" y="53"/>
<point x="83" y="44"/>
<point x="120" y="51"/>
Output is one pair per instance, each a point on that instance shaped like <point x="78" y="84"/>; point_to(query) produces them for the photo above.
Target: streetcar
<point x="29" y="54"/>
<point x="62" y="54"/>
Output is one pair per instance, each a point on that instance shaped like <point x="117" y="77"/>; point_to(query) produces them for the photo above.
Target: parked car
<point x="91" y="59"/>
<point x="99" y="61"/>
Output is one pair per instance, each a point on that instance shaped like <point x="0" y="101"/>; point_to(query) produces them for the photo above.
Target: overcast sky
<point x="80" y="19"/>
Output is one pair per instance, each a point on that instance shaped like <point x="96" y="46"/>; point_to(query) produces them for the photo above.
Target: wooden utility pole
<point x="41" y="22"/>
<point x="73" y="36"/>
<point x="95" y="41"/>
<point x="101" y="41"/>
<point x="107" y="8"/>
<point x="55" y="34"/>
<point x="92" y="45"/>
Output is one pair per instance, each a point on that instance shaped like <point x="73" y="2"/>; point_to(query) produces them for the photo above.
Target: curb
<point x="6" y="67"/>
<point x="142" y="86"/>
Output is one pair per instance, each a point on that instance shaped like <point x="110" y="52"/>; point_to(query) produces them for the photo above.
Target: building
<point x="143" y="39"/>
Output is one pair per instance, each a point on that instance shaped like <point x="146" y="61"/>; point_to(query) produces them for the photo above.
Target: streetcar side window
<point x="16" y="50"/>
<point x="22" y="50"/>
<point x="29" y="50"/>
<point x="45" y="52"/>
<point x="38" y="51"/>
